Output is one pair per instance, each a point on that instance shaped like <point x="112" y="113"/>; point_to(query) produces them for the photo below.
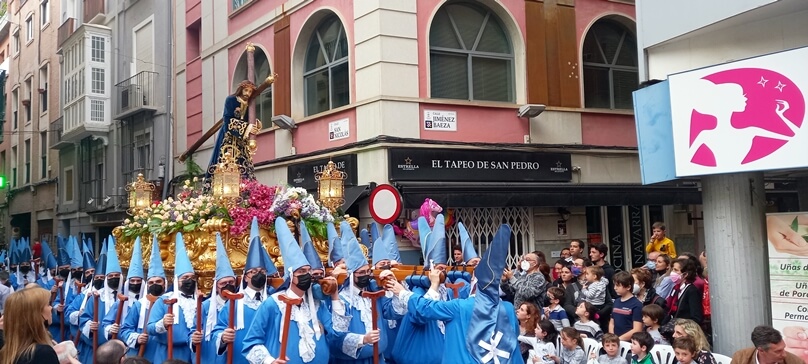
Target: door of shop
<point x="483" y="222"/>
<point x="624" y="229"/>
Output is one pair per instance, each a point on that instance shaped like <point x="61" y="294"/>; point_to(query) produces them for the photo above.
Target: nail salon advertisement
<point x="788" y="271"/>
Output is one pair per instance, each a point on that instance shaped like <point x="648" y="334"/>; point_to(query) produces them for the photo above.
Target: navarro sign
<point x="478" y="165"/>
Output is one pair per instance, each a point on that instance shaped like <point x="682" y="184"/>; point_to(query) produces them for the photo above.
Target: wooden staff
<point x="121" y="302"/>
<point x="53" y="293"/>
<point x="79" y="286"/>
<point x="199" y="326"/>
<point x="374" y="296"/>
<point x="170" y="328"/>
<point x="152" y="299"/>
<point x="62" y="313"/>
<point x="287" y="317"/>
<point x="455" y="288"/>
<point x="231" y="316"/>
<point x="95" y="332"/>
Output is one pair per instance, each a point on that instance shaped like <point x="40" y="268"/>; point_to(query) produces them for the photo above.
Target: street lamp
<point x="140" y="194"/>
<point x="331" y="186"/>
<point x="227" y="180"/>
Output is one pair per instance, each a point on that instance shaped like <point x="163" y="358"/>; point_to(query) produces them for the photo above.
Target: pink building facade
<point x="501" y="111"/>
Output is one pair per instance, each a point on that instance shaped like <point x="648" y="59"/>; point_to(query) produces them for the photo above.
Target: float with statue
<point x="225" y="198"/>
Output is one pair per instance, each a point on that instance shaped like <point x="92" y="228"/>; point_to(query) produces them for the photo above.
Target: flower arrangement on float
<point x="191" y="209"/>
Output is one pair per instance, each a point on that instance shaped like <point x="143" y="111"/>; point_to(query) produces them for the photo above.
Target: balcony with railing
<point x="92" y="9"/>
<point x="65" y="31"/>
<point x="55" y="140"/>
<point x="135" y="94"/>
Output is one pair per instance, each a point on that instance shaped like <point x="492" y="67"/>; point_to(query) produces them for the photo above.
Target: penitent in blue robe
<point x="250" y="307"/>
<point x="456" y="314"/>
<point x="179" y="341"/>
<point x="345" y="341"/>
<point x="86" y="343"/>
<point x="72" y="309"/>
<point x="209" y="350"/>
<point x="418" y="332"/>
<point x="131" y="329"/>
<point x="264" y="334"/>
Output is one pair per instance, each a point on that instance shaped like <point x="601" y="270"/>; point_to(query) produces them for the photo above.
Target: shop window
<point x="609" y="65"/>
<point x="471" y="56"/>
<point x="326" y="76"/>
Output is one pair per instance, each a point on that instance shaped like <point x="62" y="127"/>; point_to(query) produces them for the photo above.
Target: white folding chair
<point x="625" y="349"/>
<point x="558" y="345"/>
<point x="591" y="346"/>
<point x="722" y="359"/>
<point x="663" y="354"/>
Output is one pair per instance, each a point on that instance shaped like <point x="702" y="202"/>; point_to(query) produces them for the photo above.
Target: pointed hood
<point x="136" y="264"/>
<point x="487" y="329"/>
<point x="182" y="263"/>
<point x="88" y="246"/>
<point x="308" y="248"/>
<point x="374" y="232"/>
<point x="255" y="256"/>
<point x="335" y="248"/>
<point x="87" y="261"/>
<point x="25" y="251"/>
<point x="269" y="265"/>
<point x="466" y="245"/>
<point x="13" y="252"/>
<point x="48" y="259"/>
<point x="223" y="267"/>
<point x="63" y="257"/>
<point x="433" y="243"/>
<point x="384" y="245"/>
<point x="156" y="261"/>
<point x="101" y="265"/>
<point x="354" y="259"/>
<point x="113" y="264"/>
<point x="76" y="256"/>
<point x="254" y="229"/>
<point x="293" y="257"/>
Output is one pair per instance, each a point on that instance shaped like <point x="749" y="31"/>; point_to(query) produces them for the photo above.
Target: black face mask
<point x="98" y="283"/>
<point x="259" y="280"/>
<point x="25" y="270"/>
<point x="156" y="290"/>
<point x="113" y="283"/>
<point x="135" y="288"/>
<point x="363" y="281"/>
<point x="64" y="273"/>
<point x="303" y="282"/>
<point x="87" y="279"/>
<point x="230" y="287"/>
<point x="188" y="286"/>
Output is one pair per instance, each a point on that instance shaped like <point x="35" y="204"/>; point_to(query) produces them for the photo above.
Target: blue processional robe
<point x="456" y="314"/>
<point x="86" y="343"/>
<point x="132" y="325"/>
<point x="182" y="328"/>
<point x="264" y="334"/>
<point x="209" y="350"/>
<point x="418" y="332"/>
<point x="249" y="306"/>
<point x="346" y="348"/>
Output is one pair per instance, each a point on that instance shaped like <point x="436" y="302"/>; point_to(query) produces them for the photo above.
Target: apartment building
<point x="115" y="119"/>
<point x="32" y="103"/>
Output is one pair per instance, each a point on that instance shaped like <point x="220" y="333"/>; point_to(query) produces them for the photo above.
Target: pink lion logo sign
<point x="742" y="116"/>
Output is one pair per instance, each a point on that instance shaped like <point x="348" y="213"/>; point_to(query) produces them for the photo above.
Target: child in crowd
<point x="685" y="349"/>
<point x="627" y="312"/>
<point x="544" y="343"/>
<point x="641" y="344"/>
<point x="555" y="313"/>
<point x="594" y="291"/>
<point x="611" y="345"/>
<point x="586" y="312"/>
<point x="572" y="348"/>
<point x="651" y="316"/>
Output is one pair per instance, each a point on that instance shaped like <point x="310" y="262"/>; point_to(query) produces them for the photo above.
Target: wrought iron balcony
<point x="55" y="140"/>
<point x="135" y="95"/>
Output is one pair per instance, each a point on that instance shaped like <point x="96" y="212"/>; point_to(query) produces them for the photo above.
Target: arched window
<point x="325" y="73"/>
<point x="263" y="103"/>
<point x="610" y="65"/>
<point x="471" y="56"/>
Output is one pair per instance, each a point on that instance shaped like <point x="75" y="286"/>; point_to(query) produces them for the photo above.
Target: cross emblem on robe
<point x="493" y="353"/>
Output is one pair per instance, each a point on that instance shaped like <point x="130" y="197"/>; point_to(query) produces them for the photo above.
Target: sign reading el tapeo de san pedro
<point x="747" y="115"/>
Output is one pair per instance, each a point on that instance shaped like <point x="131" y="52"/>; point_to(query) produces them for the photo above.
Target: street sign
<point x="385" y="204"/>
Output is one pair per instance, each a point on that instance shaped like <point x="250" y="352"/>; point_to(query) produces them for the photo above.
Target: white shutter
<point x="144" y="48"/>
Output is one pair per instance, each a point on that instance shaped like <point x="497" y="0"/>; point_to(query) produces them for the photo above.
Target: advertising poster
<point x="788" y="270"/>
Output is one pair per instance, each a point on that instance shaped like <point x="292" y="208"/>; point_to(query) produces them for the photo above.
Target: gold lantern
<point x="140" y="194"/>
<point x="331" y="186"/>
<point x="227" y="180"/>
